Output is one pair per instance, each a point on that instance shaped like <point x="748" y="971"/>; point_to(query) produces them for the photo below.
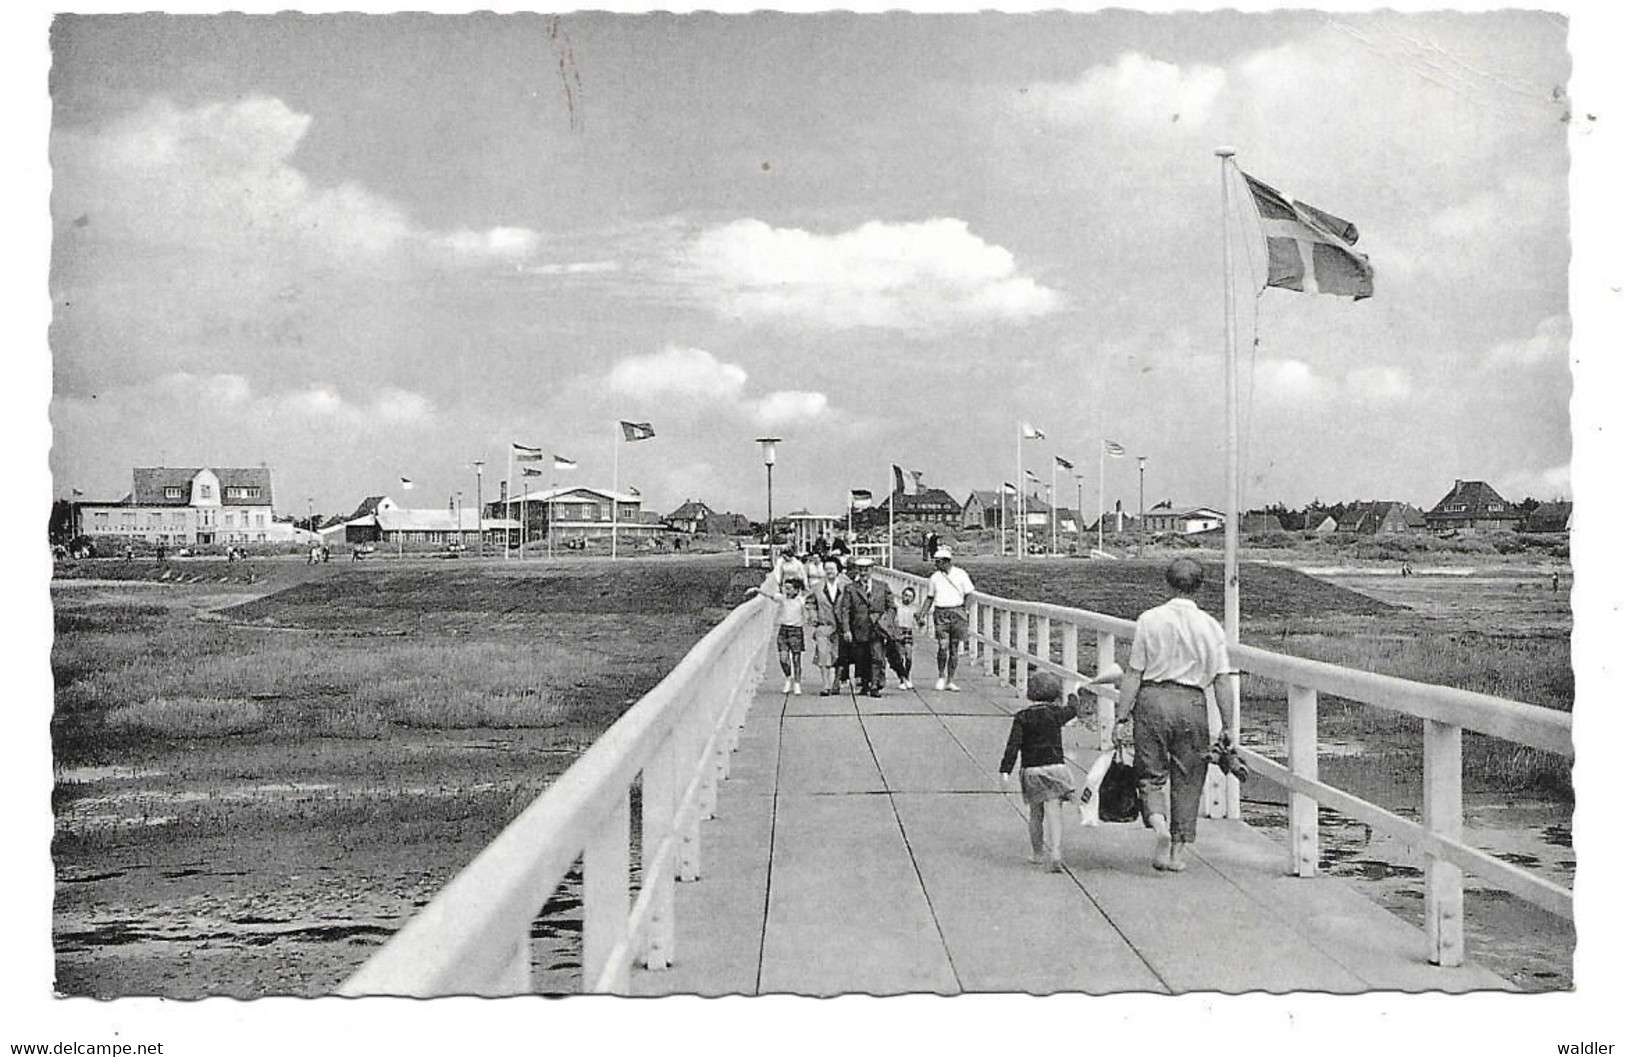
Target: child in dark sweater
<point x="1046" y="778"/>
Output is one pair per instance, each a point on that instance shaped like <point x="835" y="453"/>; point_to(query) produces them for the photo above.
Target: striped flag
<point x="1062" y="463"/>
<point x="861" y="498"/>
<point x="919" y="477"/>
<point x="77" y="493"/>
<point x="1114" y="449"/>
<point x="1010" y="489"/>
<point x="1031" y="432"/>
<point x="406" y="483"/>
<point x="637" y="430"/>
<point x="531" y="471"/>
<point x="561" y="463"/>
<point x="1031" y="476"/>
<point x="632" y="491"/>
<point x="526" y="453"/>
<point x="897" y="473"/>
<point x="1309" y="249"/>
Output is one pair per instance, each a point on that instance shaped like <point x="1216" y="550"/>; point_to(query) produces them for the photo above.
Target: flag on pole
<point x="1031" y="432"/>
<point x="526" y="453"/>
<point x="1114" y="449"/>
<point x="1309" y="249"/>
<point x="897" y="474"/>
<point x="637" y="430"/>
<point x="531" y="471"/>
<point x="918" y="476"/>
<point x="406" y="483"/>
<point x="632" y="491"/>
<point x="1062" y="463"/>
<point x="861" y="498"/>
<point x="77" y="493"/>
<point x="1010" y="488"/>
<point x="561" y="463"/>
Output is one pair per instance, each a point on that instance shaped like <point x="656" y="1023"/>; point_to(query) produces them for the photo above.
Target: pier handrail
<point x="1012" y="638"/>
<point x="474" y="936"/>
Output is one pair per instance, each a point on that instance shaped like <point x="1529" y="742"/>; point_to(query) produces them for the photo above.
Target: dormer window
<point x="205" y="491"/>
<point x="173" y="492"/>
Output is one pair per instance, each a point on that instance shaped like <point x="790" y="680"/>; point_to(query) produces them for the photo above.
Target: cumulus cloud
<point x="1379" y="385"/>
<point x="1549" y="343"/>
<point x="196" y="397"/>
<point x="1285" y="380"/>
<point x="219" y="177"/>
<point x="1134" y="90"/>
<point x="927" y="275"/>
<point x="698" y="377"/>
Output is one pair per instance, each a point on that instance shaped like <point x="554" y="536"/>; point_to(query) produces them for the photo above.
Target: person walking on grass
<point x="1046" y="777"/>
<point x="1179" y="653"/>
<point x="945" y="595"/>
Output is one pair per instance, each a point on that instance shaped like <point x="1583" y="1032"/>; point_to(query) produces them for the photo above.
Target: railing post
<point x="1105" y="707"/>
<point x="973" y="610"/>
<point x="605" y="902"/>
<point x="515" y="979"/>
<point x="995" y="653"/>
<point x="1232" y="784"/>
<point x="659" y="816"/>
<point x="1069" y="659"/>
<point x="1441" y="815"/>
<point x="1303" y="757"/>
<point x="1023" y="648"/>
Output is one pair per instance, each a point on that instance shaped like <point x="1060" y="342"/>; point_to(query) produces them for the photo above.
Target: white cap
<point x="943" y="552"/>
<point x="863" y="563"/>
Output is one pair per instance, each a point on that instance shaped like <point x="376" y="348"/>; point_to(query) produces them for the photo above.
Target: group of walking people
<point x="858" y="626"/>
<point x="1179" y="661"/>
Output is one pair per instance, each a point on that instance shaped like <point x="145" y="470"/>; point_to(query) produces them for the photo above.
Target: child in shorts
<point x="1046" y="778"/>
<point x="899" y="627"/>
<point x="792" y="620"/>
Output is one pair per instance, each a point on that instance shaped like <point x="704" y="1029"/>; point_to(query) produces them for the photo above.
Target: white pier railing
<point x="1008" y="634"/>
<point x="474" y="937"/>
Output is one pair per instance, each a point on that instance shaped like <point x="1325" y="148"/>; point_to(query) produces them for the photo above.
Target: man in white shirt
<point x="1178" y="653"/>
<point x="945" y="595"/>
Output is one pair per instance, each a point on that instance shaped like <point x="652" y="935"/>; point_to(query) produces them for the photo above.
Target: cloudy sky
<point x="359" y="248"/>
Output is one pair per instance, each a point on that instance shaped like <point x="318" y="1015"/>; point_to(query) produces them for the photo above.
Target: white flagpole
<point x="1100" y="501"/>
<point x="1232" y="518"/>
<point x="1054" y="537"/>
<point x="507" y="507"/>
<point x="615" y="490"/>
<point x="891" y="523"/>
<point x="1004" y="501"/>
<point x="1021" y="500"/>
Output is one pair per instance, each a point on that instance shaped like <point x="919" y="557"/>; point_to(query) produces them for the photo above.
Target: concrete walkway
<point x="865" y="845"/>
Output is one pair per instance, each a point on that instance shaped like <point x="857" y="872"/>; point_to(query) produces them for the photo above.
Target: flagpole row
<point x="1232" y="429"/>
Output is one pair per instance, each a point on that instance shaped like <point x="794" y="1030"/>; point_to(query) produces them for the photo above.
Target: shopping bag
<point x="1119" y="796"/>
<point x="1090" y="794"/>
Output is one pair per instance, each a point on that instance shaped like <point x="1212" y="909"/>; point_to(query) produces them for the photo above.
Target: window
<point x="205" y="491"/>
<point x="174" y="491"/>
<point x="99" y="519"/>
<point x="243" y="492"/>
<point x="259" y="522"/>
<point x="231" y="519"/>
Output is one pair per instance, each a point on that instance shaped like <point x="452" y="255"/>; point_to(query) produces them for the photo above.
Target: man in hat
<point x="1178" y="653"/>
<point x="945" y="596"/>
<point x="858" y="612"/>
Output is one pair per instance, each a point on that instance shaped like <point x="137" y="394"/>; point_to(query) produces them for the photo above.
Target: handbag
<point x="1119" y="792"/>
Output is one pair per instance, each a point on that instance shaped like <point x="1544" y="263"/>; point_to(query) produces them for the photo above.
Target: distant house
<point x="1116" y="522"/>
<point x="1320" y="522"/>
<point x="729" y="524"/>
<point x="1184" y="520"/>
<point x="1471" y="506"/>
<point x="200" y="505"/>
<point x="577" y="513"/>
<point x="379" y="519"/>
<point x="1381" y="519"/>
<point x="1556" y="516"/>
<point x="928" y="506"/>
<point x="692" y="517"/>
<point x="981" y="510"/>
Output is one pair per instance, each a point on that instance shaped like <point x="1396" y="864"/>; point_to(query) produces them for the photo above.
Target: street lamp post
<point x="1141" y="549"/>
<point x="310" y="513"/>
<point x="769" y="456"/>
<point x="461" y="542"/>
<point x="479" y="503"/>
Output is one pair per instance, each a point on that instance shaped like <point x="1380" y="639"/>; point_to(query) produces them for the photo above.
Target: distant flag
<point x="861" y="498"/>
<point x="1062" y="463"/>
<point x="561" y="463"/>
<point x="77" y="493"/>
<point x="1309" y="249"/>
<point x="1010" y="488"/>
<point x="406" y="483"/>
<point x="897" y="473"/>
<point x="1114" y="449"/>
<point x="521" y="450"/>
<point x="1031" y="432"/>
<point x="531" y="471"/>
<point x="918" y="476"/>
<point x="637" y="430"/>
<point x="1030" y="475"/>
<point x="632" y="491"/>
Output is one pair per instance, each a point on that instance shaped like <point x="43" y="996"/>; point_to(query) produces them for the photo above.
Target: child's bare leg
<point x="1052" y="836"/>
<point x="1035" y="830"/>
